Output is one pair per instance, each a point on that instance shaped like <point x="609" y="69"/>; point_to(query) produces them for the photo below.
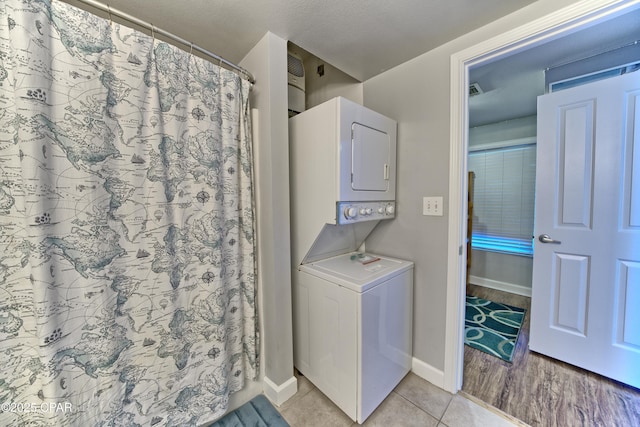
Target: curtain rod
<point x="155" y="30"/>
<point x="609" y="50"/>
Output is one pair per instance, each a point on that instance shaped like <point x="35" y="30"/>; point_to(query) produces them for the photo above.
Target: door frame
<point x="565" y="21"/>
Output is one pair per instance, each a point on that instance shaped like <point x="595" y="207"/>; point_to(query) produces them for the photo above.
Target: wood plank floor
<point x="542" y="391"/>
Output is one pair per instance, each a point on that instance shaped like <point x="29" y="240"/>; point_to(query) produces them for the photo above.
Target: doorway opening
<point x="548" y="29"/>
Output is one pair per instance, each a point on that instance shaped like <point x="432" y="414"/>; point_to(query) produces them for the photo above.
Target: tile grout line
<point x="446" y="409"/>
<point x="426" y="412"/>
<point x="290" y="405"/>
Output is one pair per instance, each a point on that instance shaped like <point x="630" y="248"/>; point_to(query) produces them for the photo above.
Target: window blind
<point x="503" y="199"/>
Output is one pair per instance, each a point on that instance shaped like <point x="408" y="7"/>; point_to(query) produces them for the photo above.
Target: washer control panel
<point x="350" y="212"/>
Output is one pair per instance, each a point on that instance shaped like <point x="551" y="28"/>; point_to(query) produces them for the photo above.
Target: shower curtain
<point x="127" y="252"/>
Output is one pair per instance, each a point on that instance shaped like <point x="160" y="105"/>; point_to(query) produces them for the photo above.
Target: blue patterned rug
<point x="492" y="327"/>
<point x="258" y="412"/>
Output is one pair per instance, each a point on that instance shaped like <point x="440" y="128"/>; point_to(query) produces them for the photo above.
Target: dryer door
<point x="370" y="159"/>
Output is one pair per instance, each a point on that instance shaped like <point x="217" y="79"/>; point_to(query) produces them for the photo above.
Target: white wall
<point x="333" y="83"/>
<point x="267" y="61"/>
<point x="505" y="272"/>
<point x="523" y="127"/>
<point x="416" y="94"/>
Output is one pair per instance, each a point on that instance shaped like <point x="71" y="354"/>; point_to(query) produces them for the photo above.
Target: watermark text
<point x="44" y="407"/>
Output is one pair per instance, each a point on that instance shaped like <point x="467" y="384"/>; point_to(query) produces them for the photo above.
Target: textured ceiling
<point x="360" y="37"/>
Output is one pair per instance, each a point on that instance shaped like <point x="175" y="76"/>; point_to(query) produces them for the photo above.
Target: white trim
<point x="529" y="140"/>
<point x="278" y="394"/>
<point x="456" y="259"/>
<point x="501" y="286"/>
<point x="427" y="372"/>
<point x="552" y="26"/>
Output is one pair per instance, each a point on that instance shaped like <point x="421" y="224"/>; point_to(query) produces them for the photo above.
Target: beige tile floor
<point x="414" y="402"/>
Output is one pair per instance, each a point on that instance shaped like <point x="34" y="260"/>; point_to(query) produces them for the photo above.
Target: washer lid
<point x="338" y="239"/>
<point x="356" y="272"/>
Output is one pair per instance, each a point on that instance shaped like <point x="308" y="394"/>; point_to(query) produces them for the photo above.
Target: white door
<point x="369" y="159"/>
<point x="585" y="306"/>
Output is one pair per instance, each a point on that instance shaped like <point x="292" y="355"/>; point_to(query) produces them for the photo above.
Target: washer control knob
<point x="381" y="210"/>
<point x="363" y="211"/>
<point x="390" y="209"/>
<point x="368" y="211"/>
<point x="350" y="212"/>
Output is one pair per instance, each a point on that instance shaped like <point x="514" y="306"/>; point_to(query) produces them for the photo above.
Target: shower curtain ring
<point x="153" y="32"/>
<point x="110" y="17"/>
<point x="191" y="50"/>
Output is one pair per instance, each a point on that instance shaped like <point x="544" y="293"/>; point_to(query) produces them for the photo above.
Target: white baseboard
<point x="427" y="372"/>
<point x="278" y="394"/>
<point x="501" y="286"/>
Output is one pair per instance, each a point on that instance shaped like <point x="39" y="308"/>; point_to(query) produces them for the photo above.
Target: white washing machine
<point x="352" y="312"/>
<point x="353" y="329"/>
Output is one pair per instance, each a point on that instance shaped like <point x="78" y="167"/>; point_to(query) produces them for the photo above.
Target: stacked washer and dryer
<point x="352" y="310"/>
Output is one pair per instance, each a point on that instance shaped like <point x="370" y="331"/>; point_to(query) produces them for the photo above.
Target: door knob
<point x="544" y="238"/>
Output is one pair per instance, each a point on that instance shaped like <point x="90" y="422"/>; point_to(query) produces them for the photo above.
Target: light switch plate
<point x="432" y="206"/>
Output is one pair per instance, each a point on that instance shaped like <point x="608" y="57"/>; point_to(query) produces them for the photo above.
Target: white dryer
<point x="342" y="170"/>
<point x="353" y="329"/>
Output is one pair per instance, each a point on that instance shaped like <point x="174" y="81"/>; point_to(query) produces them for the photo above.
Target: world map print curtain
<point x="127" y="251"/>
